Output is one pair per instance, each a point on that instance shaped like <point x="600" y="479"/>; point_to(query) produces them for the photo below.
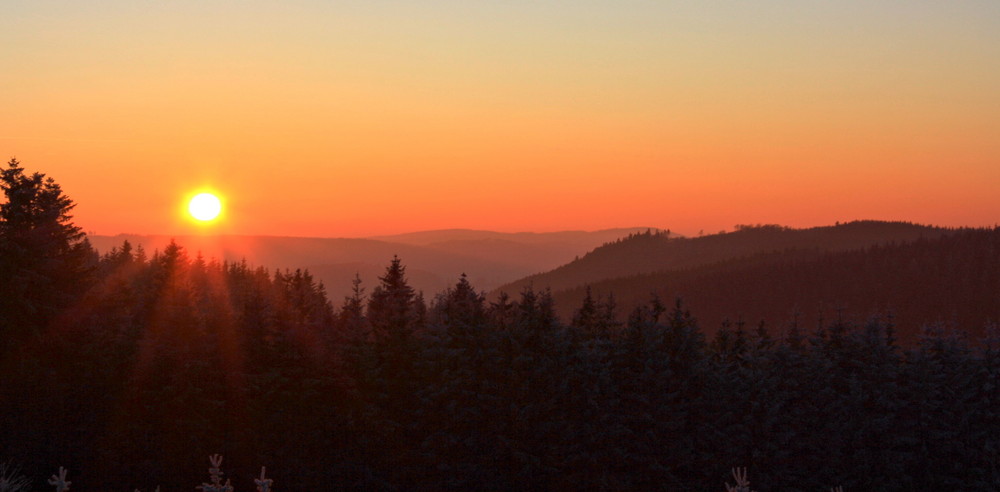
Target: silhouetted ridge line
<point x="950" y="279"/>
<point x="648" y="253"/>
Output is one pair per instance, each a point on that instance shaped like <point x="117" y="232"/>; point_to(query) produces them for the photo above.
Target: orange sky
<point x="361" y="118"/>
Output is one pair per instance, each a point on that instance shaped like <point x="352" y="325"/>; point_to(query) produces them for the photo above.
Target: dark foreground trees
<point x="177" y="357"/>
<point x="168" y="357"/>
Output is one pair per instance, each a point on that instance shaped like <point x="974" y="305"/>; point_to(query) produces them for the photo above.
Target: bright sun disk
<point x="205" y="206"/>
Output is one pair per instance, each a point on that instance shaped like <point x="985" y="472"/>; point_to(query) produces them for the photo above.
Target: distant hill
<point x="645" y="253"/>
<point x="525" y="253"/>
<point x="951" y="279"/>
<point x="585" y="240"/>
<point x="434" y="259"/>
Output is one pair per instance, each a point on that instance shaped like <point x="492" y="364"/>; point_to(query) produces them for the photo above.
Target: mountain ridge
<point x="951" y="280"/>
<point x="651" y="252"/>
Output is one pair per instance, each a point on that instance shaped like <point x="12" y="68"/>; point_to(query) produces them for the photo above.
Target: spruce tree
<point x="45" y="260"/>
<point x="351" y="318"/>
<point x="392" y="308"/>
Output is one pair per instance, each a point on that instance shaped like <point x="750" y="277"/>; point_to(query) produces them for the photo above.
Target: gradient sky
<point x="321" y="118"/>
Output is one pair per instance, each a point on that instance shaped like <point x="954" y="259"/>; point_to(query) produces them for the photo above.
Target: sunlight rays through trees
<point x="129" y="368"/>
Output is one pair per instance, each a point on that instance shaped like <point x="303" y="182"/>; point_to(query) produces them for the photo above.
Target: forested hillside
<point x="952" y="280"/>
<point x="645" y="253"/>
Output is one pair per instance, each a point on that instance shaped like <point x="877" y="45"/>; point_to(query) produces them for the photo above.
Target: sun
<point x="205" y="207"/>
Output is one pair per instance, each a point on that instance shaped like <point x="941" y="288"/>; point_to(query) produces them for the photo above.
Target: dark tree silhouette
<point x="45" y="260"/>
<point x="393" y="309"/>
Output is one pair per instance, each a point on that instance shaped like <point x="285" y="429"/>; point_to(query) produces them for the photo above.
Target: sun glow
<point x="205" y="207"/>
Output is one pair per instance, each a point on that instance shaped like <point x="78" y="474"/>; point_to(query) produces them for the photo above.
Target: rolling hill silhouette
<point x="950" y="281"/>
<point x="921" y="276"/>
<point x="644" y="253"/>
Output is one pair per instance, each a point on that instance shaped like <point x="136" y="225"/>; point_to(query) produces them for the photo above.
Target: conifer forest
<point x="130" y="367"/>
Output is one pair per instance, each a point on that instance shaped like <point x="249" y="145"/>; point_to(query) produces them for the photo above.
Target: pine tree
<point x="393" y="310"/>
<point x="501" y="311"/>
<point x="389" y="372"/>
<point x="45" y="260"/>
<point x="585" y="318"/>
<point x="460" y="310"/>
<point x="351" y="318"/>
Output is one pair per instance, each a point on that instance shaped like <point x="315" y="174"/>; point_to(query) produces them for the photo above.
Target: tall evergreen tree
<point x="460" y="310"/>
<point x="393" y="310"/>
<point x="351" y="318"/>
<point x="45" y="260"/>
